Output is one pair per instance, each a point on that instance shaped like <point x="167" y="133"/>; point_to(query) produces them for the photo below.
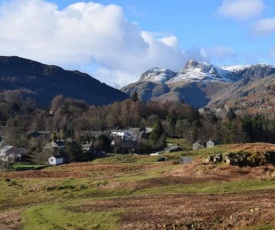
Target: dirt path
<point x="10" y="220"/>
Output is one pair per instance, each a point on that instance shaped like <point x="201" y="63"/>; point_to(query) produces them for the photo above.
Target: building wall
<point x="196" y="146"/>
<point x="55" y="161"/>
<point x="12" y="153"/>
<point x="210" y="144"/>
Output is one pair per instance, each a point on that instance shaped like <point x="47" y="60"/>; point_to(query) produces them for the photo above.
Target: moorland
<point x="133" y="191"/>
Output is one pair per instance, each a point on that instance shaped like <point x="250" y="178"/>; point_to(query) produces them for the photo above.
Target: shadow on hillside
<point x="193" y="95"/>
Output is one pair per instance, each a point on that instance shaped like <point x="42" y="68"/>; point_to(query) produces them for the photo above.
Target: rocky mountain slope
<point x="43" y="82"/>
<point x="202" y="84"/>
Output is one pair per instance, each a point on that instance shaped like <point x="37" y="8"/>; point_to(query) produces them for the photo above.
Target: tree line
<point x="69" y="118"/>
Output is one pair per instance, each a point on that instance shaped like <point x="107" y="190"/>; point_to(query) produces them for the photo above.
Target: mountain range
<point x="43" y="82"/>
<point x="202" y="84"/>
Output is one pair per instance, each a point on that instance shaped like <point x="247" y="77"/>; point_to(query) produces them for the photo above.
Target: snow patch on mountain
<point x="199" y="71"/>
<point x="234" y="68"/>
<point x="157" y="75"/>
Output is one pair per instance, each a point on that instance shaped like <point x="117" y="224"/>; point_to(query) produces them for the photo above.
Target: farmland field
<point x="137" y="192"/>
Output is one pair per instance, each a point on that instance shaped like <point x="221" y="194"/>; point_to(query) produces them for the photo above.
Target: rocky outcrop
<point x="242" y="159"/>
<point x="255" y="72"/>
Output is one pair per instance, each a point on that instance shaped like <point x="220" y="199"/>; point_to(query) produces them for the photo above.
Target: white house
<point x="10" y="152"/>
<point x="87" y="147"/>
<point x="212" y="143"/>
<point x="55" y="160"/>
<point x="199" y="145"/>
<point x="123" y="134"/>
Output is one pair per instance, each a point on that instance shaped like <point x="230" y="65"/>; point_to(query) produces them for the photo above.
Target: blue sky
<point x="116" y="41"/>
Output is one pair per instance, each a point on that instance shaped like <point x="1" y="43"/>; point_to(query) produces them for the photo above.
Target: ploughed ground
<point x="171" y="210"/>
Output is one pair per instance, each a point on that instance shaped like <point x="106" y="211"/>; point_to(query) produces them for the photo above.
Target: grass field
<point x="24" y="167"/>
<point x="138" y="192"/>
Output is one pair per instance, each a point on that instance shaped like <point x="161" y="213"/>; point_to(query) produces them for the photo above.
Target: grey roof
<point x="87" y="145"/>
<point x="6" y="148"/>
<point x="214" y="141"/>
<point x="57" y="156"/>
<point x="200" y="142"/>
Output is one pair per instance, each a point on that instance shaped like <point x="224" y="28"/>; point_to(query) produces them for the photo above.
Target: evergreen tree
<point x="231" y="114"/>
<point x="74" y="149"/>
<point x="196" y="125"/>
<point x="172" y="120"/>
<point x="257" y="124"/>
<point x="135" y="96"/>
<point x="179" y="128"/>
<point x="157" y="132"/>
<point x="247" y="126"/>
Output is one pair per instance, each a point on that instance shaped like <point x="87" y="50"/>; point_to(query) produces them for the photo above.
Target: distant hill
<point x="202" y="84"/>
<point x="43" y="82"/>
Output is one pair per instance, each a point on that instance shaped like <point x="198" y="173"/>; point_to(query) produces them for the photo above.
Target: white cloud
<point x="241" y="9"/>
<point x="85" y="35"/>
<point x="170" y="41"/>
<point x="264" y="26"/>
<point x="218" y="53"/>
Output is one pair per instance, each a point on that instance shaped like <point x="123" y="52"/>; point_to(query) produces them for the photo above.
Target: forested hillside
<point x="75" y="119"/>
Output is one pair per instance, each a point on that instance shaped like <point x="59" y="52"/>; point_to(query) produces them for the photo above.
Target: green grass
<point x="23" y="167"/>
<point x="50" y="203"/>
<point x="233" y="186"/>
<point x="63" y="213"/>
<point x="263" y="227"/>
<point x="184" y="144"/>
<point x="62" y="216"/>
<point x="205" y="152"/>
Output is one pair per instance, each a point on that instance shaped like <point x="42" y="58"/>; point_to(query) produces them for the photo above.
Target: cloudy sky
<point x="116" y="41"/>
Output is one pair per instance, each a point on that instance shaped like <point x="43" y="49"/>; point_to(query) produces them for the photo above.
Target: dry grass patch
<point x="236" y="210"/>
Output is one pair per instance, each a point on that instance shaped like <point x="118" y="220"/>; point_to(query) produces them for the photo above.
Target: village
<point x="120" y="141"/>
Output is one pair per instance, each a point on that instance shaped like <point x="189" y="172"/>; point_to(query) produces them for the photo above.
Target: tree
<point x="247" y="127"/>
<point x="196" y="125"/>
<point x="257" y="124"/>
<point x="172" y="120"/>
<point x="135" y="96"/>
<point x="152" y="119"/>
<point x="5" y="164"/>
<point x="125" y="114"/>
<point x="231" y="114"/>
<point x="103" y="143"/>
<point x="157" y="132"/>
<point x="57" y="102"/>
<point x="74" y="149"/>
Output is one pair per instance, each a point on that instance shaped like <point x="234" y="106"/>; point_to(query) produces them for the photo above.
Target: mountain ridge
<point x="199" y="84"/>
<point x="199" y="70"/>
<point x="43" y="82"/>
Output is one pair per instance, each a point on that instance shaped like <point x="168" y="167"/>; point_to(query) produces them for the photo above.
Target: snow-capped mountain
<point x="199" y="83"/>
<point x="199" y="71"/>
<point x="157" y="75"/>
